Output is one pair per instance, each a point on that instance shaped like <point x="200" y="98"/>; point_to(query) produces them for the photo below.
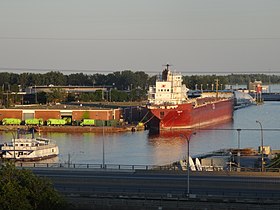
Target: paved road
<point x="160" y="184"/>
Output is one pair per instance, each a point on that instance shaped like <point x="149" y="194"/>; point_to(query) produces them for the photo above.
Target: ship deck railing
<point x="27" y="148"/>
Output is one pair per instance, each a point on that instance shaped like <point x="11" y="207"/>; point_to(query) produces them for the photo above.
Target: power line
<point x="140" y="39"/>
<point x="5" y="69"/>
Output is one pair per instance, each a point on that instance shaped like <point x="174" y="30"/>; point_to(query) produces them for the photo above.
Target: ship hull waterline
<point x="190" y="116"/>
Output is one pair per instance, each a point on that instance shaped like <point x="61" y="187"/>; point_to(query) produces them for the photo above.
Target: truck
<point x="89" y="122"/>
<point x="68" y="120"/>
<point x="11" y="121"/>
<point x="34" y="121"/>
<point x="56" y="122"/>
<point x="111" y="123"/>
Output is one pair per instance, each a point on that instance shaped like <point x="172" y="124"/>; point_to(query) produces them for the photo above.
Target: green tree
<point x="42" y="98"/>
<point x="71" y="97"/>
<point x="54" y="78"/>
<point x="21" y="189"/>
<point x="86" y="115"/>
<point x="56" y="95"/>
<point x="119" y="96"/>
<point x="79" y="79"/>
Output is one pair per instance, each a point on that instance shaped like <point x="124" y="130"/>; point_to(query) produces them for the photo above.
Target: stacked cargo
<point x="68" y="120"/>
<point x="56" y="122"/>
<point x="11" y="121"/>
<point x="87" y="122"/>
<point x="34" y="121"/>
<point x="99" y="123"/>
<point x="111" y="123"/>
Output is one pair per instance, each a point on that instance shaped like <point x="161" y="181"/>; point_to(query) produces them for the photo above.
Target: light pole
<point x="103" y="146"/>
<point x="111" y="91"/>
<point x="238" y="142"/>
<point x="36" y="99"/>
<point x="188" y="138"/>
<point x="262" y="166"/>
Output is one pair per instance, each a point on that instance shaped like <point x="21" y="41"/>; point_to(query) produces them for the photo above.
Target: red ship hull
<point x="206" y="112"/>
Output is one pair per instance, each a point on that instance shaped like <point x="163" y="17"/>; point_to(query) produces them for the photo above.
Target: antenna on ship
<point x="167" y="66"/>
<point x="165" y="72"/>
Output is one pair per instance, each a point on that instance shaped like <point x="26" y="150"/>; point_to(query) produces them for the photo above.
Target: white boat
<point x="29" y="149"/>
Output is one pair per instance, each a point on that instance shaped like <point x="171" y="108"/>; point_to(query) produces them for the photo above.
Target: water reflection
<point x="207" y="139"/>
<point x="142" y="148"/>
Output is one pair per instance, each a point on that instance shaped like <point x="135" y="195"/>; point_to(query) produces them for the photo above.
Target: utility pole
<point x="188" y="138"/>
<point x="238" y="140"/>
<point x="262" y="159"/>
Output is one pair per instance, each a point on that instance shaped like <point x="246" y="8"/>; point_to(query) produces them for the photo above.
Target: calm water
<point x="140" y="148"/>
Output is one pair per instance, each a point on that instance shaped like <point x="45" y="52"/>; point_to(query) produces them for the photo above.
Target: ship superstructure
<point x="168" y="89"/>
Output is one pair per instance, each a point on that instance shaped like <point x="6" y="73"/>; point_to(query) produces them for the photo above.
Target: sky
<point x="102" y="36"/>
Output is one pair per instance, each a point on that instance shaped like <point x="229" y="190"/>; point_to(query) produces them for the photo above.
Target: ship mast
<point x="165" y="75"/>
<point x="167" y="66"/>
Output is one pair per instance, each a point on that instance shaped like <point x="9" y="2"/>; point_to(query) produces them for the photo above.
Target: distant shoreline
<point x="72" y="129"/>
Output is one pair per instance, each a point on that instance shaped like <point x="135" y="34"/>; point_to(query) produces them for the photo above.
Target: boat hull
<point x="190" y="115"/>
<point x="22" y="151"/>
<point x="28" y="159"/>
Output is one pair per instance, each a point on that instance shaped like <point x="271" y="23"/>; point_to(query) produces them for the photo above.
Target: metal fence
<point x="170" y="167"/>
<point x="89" y="166"/>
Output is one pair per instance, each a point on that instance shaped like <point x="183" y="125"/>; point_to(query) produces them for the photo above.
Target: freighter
<point x="170" y="108"/>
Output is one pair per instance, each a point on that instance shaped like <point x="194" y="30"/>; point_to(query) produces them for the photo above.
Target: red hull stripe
<point x="188" y="116"/>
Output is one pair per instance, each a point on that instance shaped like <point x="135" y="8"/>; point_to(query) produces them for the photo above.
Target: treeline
<point x="232" y="79"/>
<point x="120" y="80"/>
<point x="124" y="80"/>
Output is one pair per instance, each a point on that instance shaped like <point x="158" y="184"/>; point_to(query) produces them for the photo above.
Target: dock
<point x="73" y="129"/>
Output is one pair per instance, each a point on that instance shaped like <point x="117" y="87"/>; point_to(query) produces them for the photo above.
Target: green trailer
<point x="11" y="121"/>
<point x="112" y="123"/>
<point x="56" y="122"/>
<point x="34" y="121"/>
<point x="68" y="120"/>
<point x="100" y="123"/>
<point x="87" y="122"/>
